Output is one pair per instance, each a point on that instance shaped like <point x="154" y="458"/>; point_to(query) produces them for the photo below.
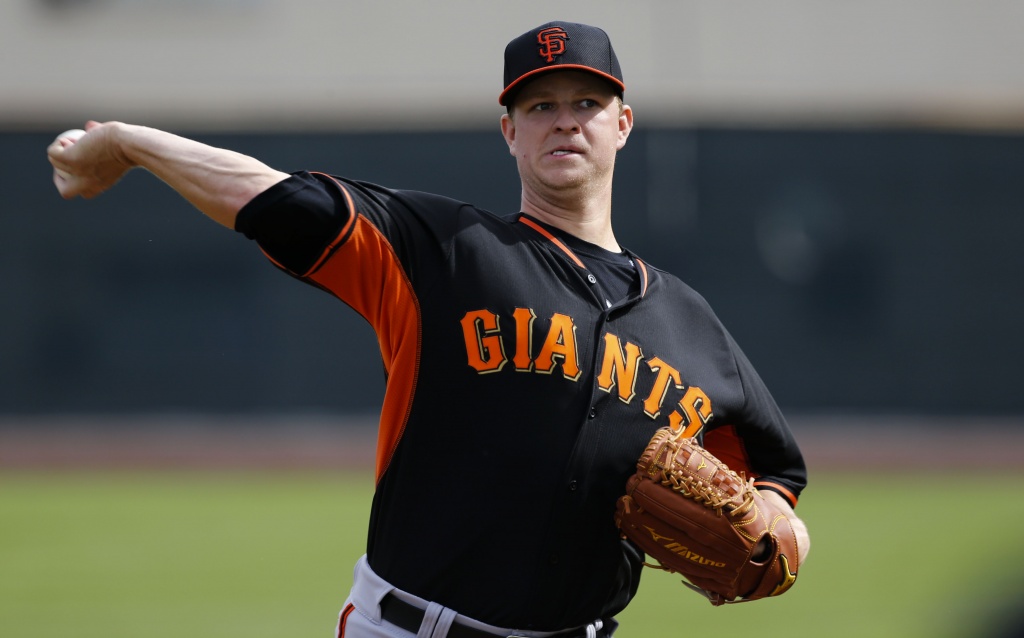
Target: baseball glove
<point x="686" y="509"/>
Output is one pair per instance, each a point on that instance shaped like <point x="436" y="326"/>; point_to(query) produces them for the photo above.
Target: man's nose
<point x="566" y="119"/>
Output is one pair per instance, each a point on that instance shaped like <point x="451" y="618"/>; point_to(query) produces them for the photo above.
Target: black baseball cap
<point x="559" y="46"/>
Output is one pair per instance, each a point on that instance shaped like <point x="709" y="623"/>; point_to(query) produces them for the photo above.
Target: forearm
<point x="216" y="181"/>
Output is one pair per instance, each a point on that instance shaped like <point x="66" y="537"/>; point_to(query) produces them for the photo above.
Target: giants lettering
<point x="619" y="371"/>
<point x="696" y="407"/>
<point x="485" y="349"/>
<point x="483" y="341"/>
<point x="619" y="368"/>
<point x="524" y="339"/>
<point x="561" y="345"/>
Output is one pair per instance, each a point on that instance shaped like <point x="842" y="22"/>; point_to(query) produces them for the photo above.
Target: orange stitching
<point x="554" y="240"/>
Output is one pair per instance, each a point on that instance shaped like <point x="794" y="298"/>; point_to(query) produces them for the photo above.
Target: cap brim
<point x="518" y="83"/>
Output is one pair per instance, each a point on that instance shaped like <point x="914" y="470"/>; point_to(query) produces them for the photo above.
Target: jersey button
<point x="593" y="413"/>
<point x="573" y="485"/>
<point x="591" y="278"/>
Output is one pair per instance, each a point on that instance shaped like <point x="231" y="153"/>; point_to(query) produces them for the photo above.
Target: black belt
<point x="410" y="617"/>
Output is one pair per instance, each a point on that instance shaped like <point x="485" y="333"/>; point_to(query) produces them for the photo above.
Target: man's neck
<point x="591" y="221"/>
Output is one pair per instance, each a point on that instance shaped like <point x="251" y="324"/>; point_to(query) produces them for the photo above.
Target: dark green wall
<point x="868" y="271"/>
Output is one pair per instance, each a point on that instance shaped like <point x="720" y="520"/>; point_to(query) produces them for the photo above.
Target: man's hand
<point x="692" y="515"/>
<point x="218" y="182"/>
<point x="803" y="539"/>
<point x="90" y="165"/>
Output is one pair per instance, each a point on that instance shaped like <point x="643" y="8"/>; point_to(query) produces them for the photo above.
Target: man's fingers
<point x="61" y="173"/>
<point x="62" y="181"/>
<point x="57" y="153"/>
<point x="54" y="150"/>
<point x="84" y="161"/>
<point x="68" y="186"/>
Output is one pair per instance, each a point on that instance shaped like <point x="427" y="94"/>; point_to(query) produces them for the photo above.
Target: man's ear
<point x="625" y="125"/>
<point x="508" y="131"/>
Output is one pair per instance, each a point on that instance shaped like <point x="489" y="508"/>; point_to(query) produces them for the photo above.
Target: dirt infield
<point x="188" y="442"/>
<point x="346" y="442"/>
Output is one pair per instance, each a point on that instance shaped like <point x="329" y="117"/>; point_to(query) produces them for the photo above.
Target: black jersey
<point x="517" y="400"/>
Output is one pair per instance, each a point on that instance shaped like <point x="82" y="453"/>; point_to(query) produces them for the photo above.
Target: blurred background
<point x="840" y="180"/>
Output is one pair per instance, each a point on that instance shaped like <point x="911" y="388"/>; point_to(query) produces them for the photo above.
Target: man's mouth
<point x="561" y="152"/>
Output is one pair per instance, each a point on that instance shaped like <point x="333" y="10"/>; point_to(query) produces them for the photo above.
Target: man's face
<point x="564" y="131"/>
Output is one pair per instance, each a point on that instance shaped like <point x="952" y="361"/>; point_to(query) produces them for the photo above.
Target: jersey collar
<point x="539" y="228"/>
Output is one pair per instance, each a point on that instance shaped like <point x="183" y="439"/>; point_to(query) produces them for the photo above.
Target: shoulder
<point x="374" y="196"/>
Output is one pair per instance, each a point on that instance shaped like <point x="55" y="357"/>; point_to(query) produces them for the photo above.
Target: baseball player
<point x="529" y="357"/>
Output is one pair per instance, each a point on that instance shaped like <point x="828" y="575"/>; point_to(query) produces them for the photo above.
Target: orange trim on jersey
<point x="554" y="240"/>
<point x="782" y="489"/>
<point x="643" y="276"/>
<point x="344" y="231"/>
<point x="365" y="273"/>
<point x="343" y="620"/>
<point x="274" y="261"/>
<point x="334" y="243"/>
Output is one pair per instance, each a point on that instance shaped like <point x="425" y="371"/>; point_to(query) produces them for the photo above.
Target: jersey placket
<point x="578" y="479"/>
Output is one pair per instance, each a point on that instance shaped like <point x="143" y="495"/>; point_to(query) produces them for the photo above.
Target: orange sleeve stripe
<point x="344" y="231"/>
<point x="365" y="273"/>
<point x="334" y="243"/>
<point x="786" y="493"/>
<point x="554" y="240"/>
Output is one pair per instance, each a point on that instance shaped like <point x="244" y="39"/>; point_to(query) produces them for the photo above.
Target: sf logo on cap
<point x="552" y="42"/>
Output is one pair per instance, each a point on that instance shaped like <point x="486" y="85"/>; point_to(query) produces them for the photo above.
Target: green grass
<point x="252" y="555"/>
<point x="177" y="555"/>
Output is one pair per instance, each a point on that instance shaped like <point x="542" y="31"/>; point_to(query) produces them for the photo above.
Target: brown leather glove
<point x="696" y="517"/>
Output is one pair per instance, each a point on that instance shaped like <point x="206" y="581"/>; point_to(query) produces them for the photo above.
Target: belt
<point x="410" y="617"/>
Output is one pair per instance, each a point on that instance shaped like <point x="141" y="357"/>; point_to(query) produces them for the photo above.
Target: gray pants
<point x="360" y="617"/>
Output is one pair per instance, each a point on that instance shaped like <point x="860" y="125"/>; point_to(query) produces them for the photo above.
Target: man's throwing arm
<point x="216" y="181"/>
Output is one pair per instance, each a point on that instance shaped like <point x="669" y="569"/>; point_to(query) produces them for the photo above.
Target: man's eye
<point x="588" y="103"/>
<point x="542" y="106"/>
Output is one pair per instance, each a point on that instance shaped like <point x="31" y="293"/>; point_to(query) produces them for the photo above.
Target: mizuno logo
<point x="682" y="550"/>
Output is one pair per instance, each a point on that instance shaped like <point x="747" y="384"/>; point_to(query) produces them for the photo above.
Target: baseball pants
<point x="372" y="599"/>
